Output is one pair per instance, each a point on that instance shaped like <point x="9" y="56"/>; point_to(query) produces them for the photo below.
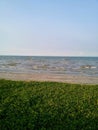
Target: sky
<point x="49" y="27"/>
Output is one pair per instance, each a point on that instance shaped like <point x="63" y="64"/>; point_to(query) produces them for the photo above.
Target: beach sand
<point x="50" y="77"/>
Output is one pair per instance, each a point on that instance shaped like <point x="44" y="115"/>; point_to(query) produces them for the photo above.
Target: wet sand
<point x="50" y="77"/>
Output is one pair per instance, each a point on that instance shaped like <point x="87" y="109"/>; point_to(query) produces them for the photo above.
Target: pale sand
<point x="50" y="77"/>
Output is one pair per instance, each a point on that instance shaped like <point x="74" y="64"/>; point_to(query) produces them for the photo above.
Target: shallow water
<point x="56" y="65"/>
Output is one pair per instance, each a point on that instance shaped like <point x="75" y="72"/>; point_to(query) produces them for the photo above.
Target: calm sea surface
<point x="56" y="65"/>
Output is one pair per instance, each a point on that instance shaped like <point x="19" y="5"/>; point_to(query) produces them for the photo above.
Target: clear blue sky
<point x="49" y="27"/>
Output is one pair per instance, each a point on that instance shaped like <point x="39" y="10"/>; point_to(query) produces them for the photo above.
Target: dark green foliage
<point x="48" y="106"/>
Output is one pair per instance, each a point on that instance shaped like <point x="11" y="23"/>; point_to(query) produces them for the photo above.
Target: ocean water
<point x="55" y="65"/>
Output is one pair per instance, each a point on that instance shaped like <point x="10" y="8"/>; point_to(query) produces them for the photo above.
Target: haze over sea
<point x="84" y="66"/>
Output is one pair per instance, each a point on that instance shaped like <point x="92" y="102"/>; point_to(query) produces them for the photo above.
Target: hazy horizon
<point x="12" y="55"/>
<point x="49" y="28"/>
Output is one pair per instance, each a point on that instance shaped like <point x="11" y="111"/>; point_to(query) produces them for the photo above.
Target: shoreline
<point x="65" y="78"/>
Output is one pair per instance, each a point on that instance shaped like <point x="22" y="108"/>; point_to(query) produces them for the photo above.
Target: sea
<point x="87" y="66"/>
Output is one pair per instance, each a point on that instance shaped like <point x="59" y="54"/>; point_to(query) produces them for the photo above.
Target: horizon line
<point x="50" y="55"/>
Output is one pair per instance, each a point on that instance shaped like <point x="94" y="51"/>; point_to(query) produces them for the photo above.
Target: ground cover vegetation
<point x="48" y="106"/>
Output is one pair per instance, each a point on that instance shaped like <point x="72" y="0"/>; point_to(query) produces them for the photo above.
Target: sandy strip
<point x="50" y="77"/>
